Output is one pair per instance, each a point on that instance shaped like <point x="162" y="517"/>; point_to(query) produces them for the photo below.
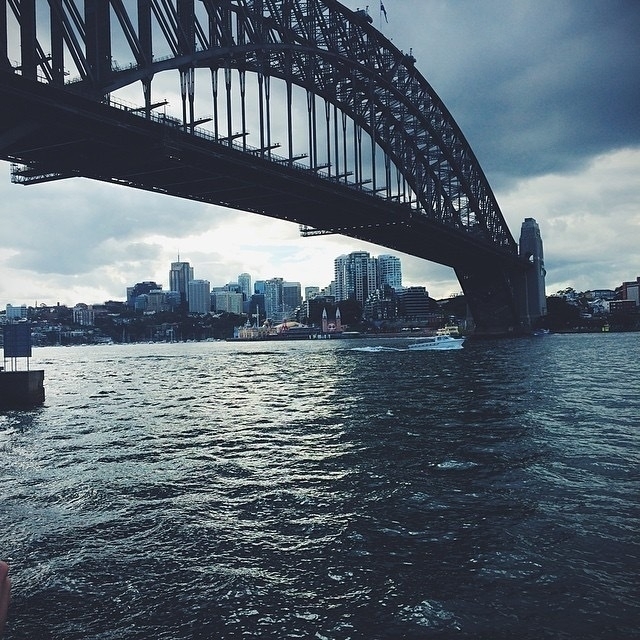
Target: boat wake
<point x="432" y="343"/>
<point x="376" y="349"/>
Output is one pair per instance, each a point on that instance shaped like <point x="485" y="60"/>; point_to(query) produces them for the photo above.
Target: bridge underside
<point x="54" y="134"/>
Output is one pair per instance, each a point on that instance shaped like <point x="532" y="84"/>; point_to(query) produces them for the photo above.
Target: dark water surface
<point x="329" y="490"/>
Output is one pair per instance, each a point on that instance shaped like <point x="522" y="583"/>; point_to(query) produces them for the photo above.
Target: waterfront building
<point x="16" y="313"/>
<point x="291" y="296"/>
<point x="281" y="298"/>
<point x="84" y="315"/>
<point x="173" y="299"/>
<point x="389" y="272"/>
<point x="273" y="300"/>
<point x="244" y="280"/>
<point x="152" y="302"/>
<point x="600" y="294"/>
<point x="180" y="275"/>
<point x="156" y="301"/>
<point x="355" y="276"/>
<point x="414" y="304"/>
<point x="621" y="307"/>
<point x="629" y="291"/>
<point x="140" y="288"/>
<point x="311" y="312"/>
<point x="140" y="303"/>
<point x="599" y="306"/>
<point x="229" y="301"/>
<point x="382" y="304"/>
<point x="199" y="296"/>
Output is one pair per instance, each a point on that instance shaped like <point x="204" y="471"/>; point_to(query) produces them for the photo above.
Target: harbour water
<point x="327" y="489"/>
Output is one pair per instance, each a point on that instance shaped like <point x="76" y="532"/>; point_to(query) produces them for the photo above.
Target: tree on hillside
<point x="561" y="314"/>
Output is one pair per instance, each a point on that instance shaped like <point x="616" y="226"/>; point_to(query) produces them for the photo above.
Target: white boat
<point x="437" y="343"/>
<point x="449" y="330"/>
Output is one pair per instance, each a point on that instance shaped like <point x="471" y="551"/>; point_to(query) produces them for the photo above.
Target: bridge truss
<point x="295" y="109"/>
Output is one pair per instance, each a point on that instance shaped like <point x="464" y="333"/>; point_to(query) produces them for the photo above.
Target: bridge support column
<point x="489" y="291"/>
<point x="507" y="300"/>
<point x="531" y="294"/>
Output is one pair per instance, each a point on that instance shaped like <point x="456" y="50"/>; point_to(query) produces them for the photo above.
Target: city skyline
<point x="356" y="266"/>
<point x="546" y="94"/>
<point x="280" y="296"/>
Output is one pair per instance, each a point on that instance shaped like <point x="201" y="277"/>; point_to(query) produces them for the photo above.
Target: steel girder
<point x="319" y="45"/>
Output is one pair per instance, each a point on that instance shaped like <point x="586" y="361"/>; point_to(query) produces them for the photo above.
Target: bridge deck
<point x="58" y="134"/>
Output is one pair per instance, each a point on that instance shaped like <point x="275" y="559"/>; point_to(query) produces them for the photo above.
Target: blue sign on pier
<point x="17" y="341"/>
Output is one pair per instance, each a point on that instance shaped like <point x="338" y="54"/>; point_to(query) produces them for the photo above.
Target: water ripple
<point x="326" y="489"/>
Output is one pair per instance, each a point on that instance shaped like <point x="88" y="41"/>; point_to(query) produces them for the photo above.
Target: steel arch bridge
<point x="309" y="114"/>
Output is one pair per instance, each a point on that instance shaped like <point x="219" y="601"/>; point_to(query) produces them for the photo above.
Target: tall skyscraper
<point x="389" y="271"/>
<point x="535" y="303"/>
<point x="291" y="296"/>
<point x="355" y="276"/>
<point x="244" y="280"/>
<point x="273" y="299"/>
<point x="179" y="277"/>
<point x="199" y="296"/>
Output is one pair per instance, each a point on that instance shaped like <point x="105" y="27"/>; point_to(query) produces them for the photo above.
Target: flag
<point x="383" y="11"/>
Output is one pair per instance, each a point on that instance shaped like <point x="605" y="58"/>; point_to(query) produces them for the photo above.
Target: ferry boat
<point x="449" y="330"/>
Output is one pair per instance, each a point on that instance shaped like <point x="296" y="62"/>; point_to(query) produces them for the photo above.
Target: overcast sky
<point x="547" y="92"/>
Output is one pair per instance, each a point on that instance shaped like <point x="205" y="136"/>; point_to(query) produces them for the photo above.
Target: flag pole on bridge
<point x="383" y="12"/>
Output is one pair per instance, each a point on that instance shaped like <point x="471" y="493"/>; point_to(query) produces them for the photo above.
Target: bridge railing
<point x="172" y="122"/>
<point x="175" y="123"/>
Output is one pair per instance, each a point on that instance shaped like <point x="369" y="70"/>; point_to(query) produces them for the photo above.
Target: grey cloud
<point x="67" y="229"/>
<point x="536" y="87"/>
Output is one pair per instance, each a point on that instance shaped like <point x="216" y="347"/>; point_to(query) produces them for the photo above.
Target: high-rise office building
<point x="230" y="301"/>
<point x="389" y="272"/>
<point x="281" y="298"/>
<point x="291" y="296"/>
<point x="16" y="313"/>
<point x="141" y="288"/>
<point x="244" y="280"/>
<point x="273" y="299"/>
<point x="199" y="296"/>
<point x="355" y="276"/>
<point x="179" y="277"/>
